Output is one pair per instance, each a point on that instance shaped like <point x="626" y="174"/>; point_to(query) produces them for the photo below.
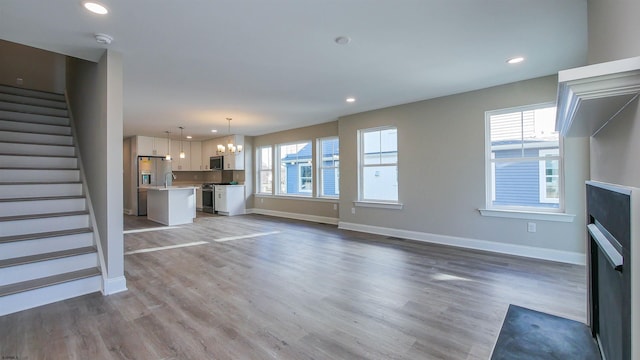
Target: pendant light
<point x="168" y="156"/>
<point x="182" y="154"/>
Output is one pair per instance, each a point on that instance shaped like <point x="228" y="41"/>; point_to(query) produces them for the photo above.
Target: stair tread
<point x="34" y="143"/>
<point x="48" y="281"/>
<point x="36" y="168"/>
<point x="43" y="198"/>
<point x="38" y="182"/>
<point x="39" y="155"/>
<point x="33" y="122"/>
<point x="43" y="216"/>
<point x="33" y="92"/>
<point x="36" y="133"/>
<point x="23" y="260"/>
<point x="29" y="100"/>
<point x="49" y="234"/>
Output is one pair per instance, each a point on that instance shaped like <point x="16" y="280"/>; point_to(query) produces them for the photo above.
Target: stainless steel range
<point x="208" y="198"/>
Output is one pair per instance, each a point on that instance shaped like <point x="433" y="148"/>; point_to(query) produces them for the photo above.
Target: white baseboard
<point x="114" y="285"/>
<point x="296" y="216"/>
<point x="128" y="212"/>
<point x="492" y="246"/>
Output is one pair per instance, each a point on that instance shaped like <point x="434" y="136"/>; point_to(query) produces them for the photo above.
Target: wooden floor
<point x="271" y="288"/>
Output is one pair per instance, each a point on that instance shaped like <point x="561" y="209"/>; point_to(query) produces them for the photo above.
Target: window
<point x="295" y="176"/>
<point x="523" y="159"/>
<point x="265" y="170"/>
<point x="329" y="167"/>
<point x="378" y="165"/>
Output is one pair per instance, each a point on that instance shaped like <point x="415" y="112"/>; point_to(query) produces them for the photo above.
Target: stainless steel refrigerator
<point x="152" y="171"/>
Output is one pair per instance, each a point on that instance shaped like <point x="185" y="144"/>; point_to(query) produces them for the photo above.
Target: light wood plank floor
<point x="283" y="289"/>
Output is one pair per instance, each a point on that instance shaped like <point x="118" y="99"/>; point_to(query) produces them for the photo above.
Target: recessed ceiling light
<point x="189" y="137"/>
<point x="95" y="7"/>
<point x="214" y="131"/>
<point x="351" y="99"/>
<point x="515" y="60"/>
<point x="342" y="40"/>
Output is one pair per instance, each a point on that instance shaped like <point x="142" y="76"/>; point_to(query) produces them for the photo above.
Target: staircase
<point x="47" y="249"/>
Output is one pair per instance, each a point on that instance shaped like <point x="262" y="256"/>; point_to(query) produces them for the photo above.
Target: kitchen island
<point x="171" y="205"/>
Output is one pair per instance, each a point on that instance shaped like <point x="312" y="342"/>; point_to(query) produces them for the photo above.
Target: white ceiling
<point x="274" y="65"/>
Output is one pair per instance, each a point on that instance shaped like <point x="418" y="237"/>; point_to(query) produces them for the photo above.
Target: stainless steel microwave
<point x="216" y="163"/>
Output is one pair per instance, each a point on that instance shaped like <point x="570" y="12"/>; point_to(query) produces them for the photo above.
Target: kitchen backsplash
<point x="199" y="177"/>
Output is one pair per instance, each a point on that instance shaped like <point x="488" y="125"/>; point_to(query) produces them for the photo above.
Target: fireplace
<point x="609" y="227"/>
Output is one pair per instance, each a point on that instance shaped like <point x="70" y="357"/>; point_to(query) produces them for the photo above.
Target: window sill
<point x="379" y="205"/>
<point x="528" y="215"/>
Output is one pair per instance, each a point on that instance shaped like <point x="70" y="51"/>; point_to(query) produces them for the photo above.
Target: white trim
<point x="114" y="285"/>
<point x="528" y="215"/>
<point x="128" y="211"/>
<point x="548" y="155"/>
<point x="296" y="216"/>
<point x="133" y="231"/>
<point x="475" y="244"/>
<point x="378" y="205"/>
<point x="625" y="190"/>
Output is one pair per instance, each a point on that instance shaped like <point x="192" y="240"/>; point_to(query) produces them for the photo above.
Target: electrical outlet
<point x="353" y="211"/>
<point x="531" y="227"/>
<point x="335" y="206"/>
<point x="261" y="201"/>
<point x="19" y="81"/>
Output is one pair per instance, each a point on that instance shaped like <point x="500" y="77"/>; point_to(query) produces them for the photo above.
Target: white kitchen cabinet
<point x="195" y="159"/>
<point x="229" y="199"/>
<point x="234" y="161"/>
<point x="151" y="146"/>
<point x="208" y="150"/>
<point x="178" y="164"/>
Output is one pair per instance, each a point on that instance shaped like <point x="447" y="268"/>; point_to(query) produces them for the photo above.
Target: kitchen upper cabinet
<point x="234" y="161"/>
<point x="151" y="146"/>
<point x="208" y="150"/>
<point x="195" y="160"/>
<point x="178" y="164"/>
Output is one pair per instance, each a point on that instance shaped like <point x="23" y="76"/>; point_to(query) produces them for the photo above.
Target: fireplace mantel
<point x="589" y="97"/>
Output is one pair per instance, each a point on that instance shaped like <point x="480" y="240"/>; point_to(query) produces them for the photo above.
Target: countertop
<point x="168" y="188"/>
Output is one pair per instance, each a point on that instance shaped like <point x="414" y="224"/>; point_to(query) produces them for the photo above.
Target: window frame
<point x="321" y="167"/>
<point x="490" y="162"/>
<point x="300" y="177"/>
<point x="260" y="170"/>
<point x="542" y="174"/>
<point x="278" y="174"/>
<point x="362" y="201"/>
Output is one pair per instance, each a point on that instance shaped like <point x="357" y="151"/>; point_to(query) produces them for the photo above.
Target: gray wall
<point x="613" y="35"/>
<point x="39" y="69"/>
<point x="441" y="144"/>
<point x="290" y="204"/>
<point x="95" y="94"/>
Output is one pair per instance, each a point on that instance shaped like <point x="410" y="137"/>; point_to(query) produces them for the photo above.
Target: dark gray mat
<point x="528" y="334"/>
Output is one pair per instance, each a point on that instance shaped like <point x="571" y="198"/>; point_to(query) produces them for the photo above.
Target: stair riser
<point x="40" y="246"/>
<point x="39" y="190"/>
<point x="32" y="109"/>
<point x="18" y="273"/>
<point x="29" y="226"/>
<point x="32" y="93"/>
<point x="38" y="162"/>
<point x="41" y="206"/>
<point x="35" y="175"/>
<point x="33" y="149"/>
<point x="33" y="127"/>
<point x="40" y="119"/>
<point x="35" y="138"/>
<point x="30" y="299"/>
<point x="27" y="100"/>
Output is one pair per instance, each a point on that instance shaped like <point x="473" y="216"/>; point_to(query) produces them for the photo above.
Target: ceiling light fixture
<point x="515" y="60"/>
<point x="95" y="7"/>
<point x="230" y="146"/>
<point x="214" y="131"/>
<point x="189" y="137"/>
<point x="103" y="38"/>
<point x="168" y="156"/>
<point x="342" y="40"/>
<point x="351" y="99"/>
<point x="182" y="154"/>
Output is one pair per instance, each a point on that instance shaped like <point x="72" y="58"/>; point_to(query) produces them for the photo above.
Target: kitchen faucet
<point x="168" y="178"/>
